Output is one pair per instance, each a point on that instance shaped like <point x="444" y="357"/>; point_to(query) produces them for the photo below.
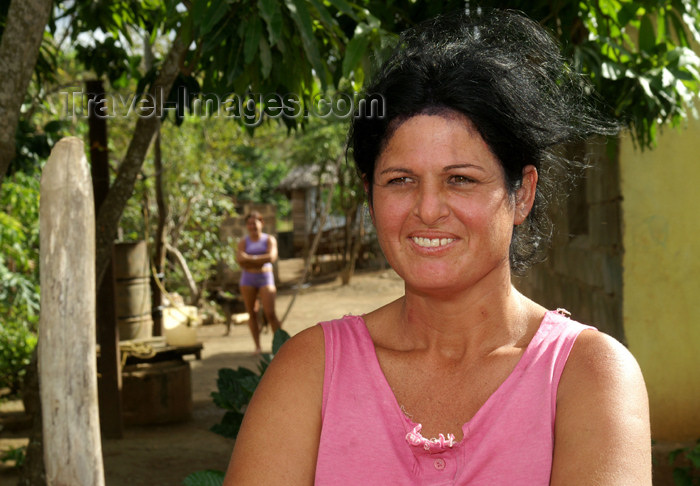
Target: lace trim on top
<point x="415" y="438"/>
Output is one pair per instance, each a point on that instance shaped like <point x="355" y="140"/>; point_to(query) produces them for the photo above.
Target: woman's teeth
<point x="431" y="242"/>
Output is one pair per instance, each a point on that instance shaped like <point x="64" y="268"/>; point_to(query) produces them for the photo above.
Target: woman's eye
<point x="398" y="181"/>
<point x="460" y="179"/>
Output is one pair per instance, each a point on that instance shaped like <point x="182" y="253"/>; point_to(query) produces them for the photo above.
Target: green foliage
<point x="118" y="18"/>
<point x="204" y="478"/>
<point x="271" y="45"/>
<point x="321" y="143"/>
<point x="34" y="143"/>
<point x="236" y="388"/>
<point x="638" y="55"/>
<point x="19" y="276"/>
<point x="19" y="258"/>
<point x="16" y="454"/>
<point x="686" y="475"/>
<point x="640" y="58"/>
<point x="109" y="59"/>
<point x="17" y="343"/>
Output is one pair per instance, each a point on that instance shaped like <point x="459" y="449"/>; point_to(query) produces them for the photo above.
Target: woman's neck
<point x="467" y="322"/>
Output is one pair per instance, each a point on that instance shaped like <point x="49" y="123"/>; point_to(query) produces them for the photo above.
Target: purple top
<point x="258" y="248"/>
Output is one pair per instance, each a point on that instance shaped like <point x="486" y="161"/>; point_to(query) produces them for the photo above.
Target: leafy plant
<point x="19" y="249"/>
<point x="689" y="473"/>
<point x="204" y="478"/>
<point x="16" y="346"/>
<point x="19" y="276"/>
<point x="236" y="388"/>
<point x="16" y="454"/>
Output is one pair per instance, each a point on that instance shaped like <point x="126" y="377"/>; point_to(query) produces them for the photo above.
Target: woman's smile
<point x="431" y="242"/>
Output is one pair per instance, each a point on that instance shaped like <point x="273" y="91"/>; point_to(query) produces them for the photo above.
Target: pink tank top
<point x="366" y="439"/>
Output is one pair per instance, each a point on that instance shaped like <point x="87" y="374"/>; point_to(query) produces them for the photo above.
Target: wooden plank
<point x="110" y="383"/>
<point x="67" y="368"/>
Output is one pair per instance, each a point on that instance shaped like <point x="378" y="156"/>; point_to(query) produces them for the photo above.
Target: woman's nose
<point x="431" y="204"/>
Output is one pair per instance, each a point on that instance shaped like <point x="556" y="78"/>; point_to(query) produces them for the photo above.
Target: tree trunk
<point x="182" y="263"/>
<point x="19" y="49"/>
<point x="123" y="187"/>
<point x="109" y="364"/>
<point x="67" y="365"/>
<point x="159" y="237"/>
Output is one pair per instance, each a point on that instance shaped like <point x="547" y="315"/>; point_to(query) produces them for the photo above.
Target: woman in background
<point x="256" y="254"/>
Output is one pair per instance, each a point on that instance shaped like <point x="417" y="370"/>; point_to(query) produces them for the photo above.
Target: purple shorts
<point x="257" y="280"/>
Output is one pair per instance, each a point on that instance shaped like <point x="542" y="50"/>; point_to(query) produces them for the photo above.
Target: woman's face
<point x="254" y="225"/>
<point x="443" y="215"/>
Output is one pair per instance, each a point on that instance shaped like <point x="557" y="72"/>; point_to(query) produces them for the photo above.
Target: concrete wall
<point x="661" y="264"/>
<point x="583" y="270"/>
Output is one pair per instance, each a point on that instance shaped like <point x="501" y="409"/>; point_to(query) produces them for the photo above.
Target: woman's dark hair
<point x="253" y="214"/>
<point x="506" y="74"/>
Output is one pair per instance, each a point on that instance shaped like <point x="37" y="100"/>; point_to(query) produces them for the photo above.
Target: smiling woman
<point x="463" y="380"/>
<point x="440" y="204"/>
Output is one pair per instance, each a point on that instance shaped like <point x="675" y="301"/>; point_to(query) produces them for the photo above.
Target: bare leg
<point x="250" y="295"/>
<point x="267" y="296"/>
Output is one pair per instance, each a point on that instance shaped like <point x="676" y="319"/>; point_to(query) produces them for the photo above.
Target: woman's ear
<point x="525" y="194"/>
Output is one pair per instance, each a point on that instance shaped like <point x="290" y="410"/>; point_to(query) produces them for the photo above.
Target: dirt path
<point x="165" y="455"/>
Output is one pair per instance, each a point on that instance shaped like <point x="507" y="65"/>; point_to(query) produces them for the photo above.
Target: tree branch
<point x="182" y="263"/>
<point x="111" y="211"/>
<point x="19" y="49"/>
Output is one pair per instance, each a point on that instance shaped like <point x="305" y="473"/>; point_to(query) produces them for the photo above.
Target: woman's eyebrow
<point x="447" y="168"/>
<point x="462" y="166"/>
<point x="396" y="169"/>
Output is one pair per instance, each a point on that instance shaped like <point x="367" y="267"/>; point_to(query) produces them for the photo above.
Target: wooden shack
<point x="302" y="186"/>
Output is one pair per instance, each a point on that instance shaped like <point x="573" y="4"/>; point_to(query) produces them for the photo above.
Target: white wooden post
<point x="67" y="364"/>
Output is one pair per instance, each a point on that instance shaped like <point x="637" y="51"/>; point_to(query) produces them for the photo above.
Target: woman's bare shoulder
<point x="597" y="356"/>
<point x="602" y="431"/>
<point x="302" y="356"/>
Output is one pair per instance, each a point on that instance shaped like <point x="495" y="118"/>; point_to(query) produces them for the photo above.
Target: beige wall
<point x="661" y="275"/>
